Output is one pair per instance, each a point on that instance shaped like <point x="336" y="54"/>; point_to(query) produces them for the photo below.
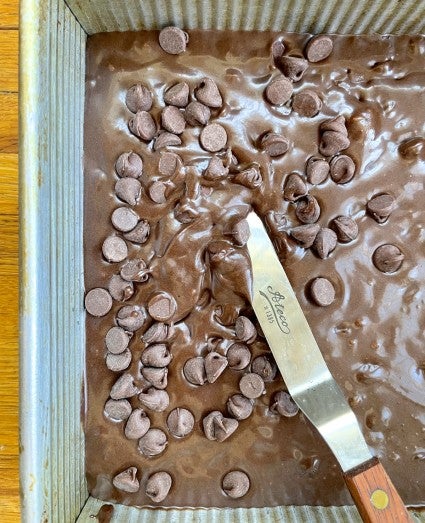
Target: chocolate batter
<point x="371" y="334"/>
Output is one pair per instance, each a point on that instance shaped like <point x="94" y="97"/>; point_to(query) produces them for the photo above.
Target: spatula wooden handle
<point x="374" y="494"/>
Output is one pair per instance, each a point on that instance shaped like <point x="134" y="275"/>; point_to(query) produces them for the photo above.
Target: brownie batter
<point x="368" y="321"/>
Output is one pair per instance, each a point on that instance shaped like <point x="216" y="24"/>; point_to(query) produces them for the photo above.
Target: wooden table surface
<point x="9" y="486"/>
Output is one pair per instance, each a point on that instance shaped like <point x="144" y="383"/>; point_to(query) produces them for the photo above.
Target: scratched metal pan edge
<point x="52" y="322"/>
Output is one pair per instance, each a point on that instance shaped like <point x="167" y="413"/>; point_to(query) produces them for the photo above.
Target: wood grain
<point x="375" y="495"/>
<point x="9" y="449"/>
<point x="9" y="14"/>
<point x="9" y="61"/>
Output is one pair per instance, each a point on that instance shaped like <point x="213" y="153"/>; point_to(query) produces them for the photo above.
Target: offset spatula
<point x="311" y="384"/>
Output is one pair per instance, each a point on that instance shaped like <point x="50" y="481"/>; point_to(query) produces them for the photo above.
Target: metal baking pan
<point x="52" y="328"/>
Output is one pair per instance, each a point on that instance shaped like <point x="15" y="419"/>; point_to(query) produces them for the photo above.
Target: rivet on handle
<point x="379" y="499"/>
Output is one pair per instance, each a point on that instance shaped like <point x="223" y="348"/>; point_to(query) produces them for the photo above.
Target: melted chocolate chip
<point x="325" y="242"/>
<point x="137" y="424"/>
<point x="180" y="422"/>
<point x="264" y="367"/>
<point x="131" y="317"/>
<point x="283" y="404"/>
<point x="143" y="126"/>
<point x="98" y="302"/>
<point x="381" y="206"/>
<point x="114" y="249"/>
<point x="294" y="188"/>
<point x="197" y="114"/>
<point x="238" y="356"/>
<point x="118" y="362"/>
<point x="279" y="91"/>
<point x="342" y="169"/>
<point x="245" y="330"/>
<point x="293" y="67"/>
<point x="177" y="95"/>
<point x="305" y="234"/>
<point x="117" y="410"/>
<point x="157" y="377"/>
<point x="252" y="385"/>
<point x="120" y="289"/>
<point x="124" y="388"/>
<point x="138" y="98"/>
<point x="207" y="93"/>
<point x="169" y="163"/>
<point x="346" y="228"/>
<point x="317" y="170"/>
<point x="127" y="480"/>
<point x="308" y="209"/>
<point x="153" y="443"/>
<point x="172" y="119"/>
<point x="413" y="148"/>
<point x="140" y="233"/>
<point x="306" y="103"/>
<point x="240" y="407"/>
<point x="215" y="170"/>
<point x="116" y="340"/>
<point x="128" y="190"/>
<point x="154" y="399"/>
<point x="332" y="143"/>
<point x="217" y="427"/>
<point x="250" y="177"/>
<point x="166" y="139"/>
<point x="274" y="144"/>
<point x="213" y="137"/>
<point x="157" y="333"/>
<point x="194" y="371"/>
<point x="162" y="306"/>
<point x="173" y="40"/>
<point x="318" y="48"/>
<point x="214" y="364"/>
<point x="124" y="219"/>
<point x="135" y="270"/>
<point x="158" y="486"/>
<point x="129" y="165"/>
<point x="239" y="232"/>
<point x="235" y="484"/>
<point x="388" y="258"/>
<point x="322" y="291"/>
<point x="336" y="124"/>
<point x="156" y="355"/>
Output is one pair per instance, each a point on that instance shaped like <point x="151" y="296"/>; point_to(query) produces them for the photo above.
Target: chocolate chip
<point x="332" y="143"/>
<point x="322" y="291"/>
<point x="293" y="67"/>
<point x="274" y="144"/>
<point x="157" y="191"/>
<point x="162" y="306"/>
<point x="154" y="399"/>
<point x="264" y="367"/>
<point x="166" y="139"/>
<point x="412" y="148"/>
<point x="116" y="340"/>
<point x="324" y="243"/>
<point x="388" y="258"/>
<point x="140" y="233"/>
<point x="277" y="48"/>
<point x="197" y="114"/>
<point x="306" y="103"/>
<point x="239" y="232"/>
<point x="124" y="219"/>
<point x="207" y="93"/>
<point x="98" y="302"/>
<point x="124" y="387"/>
<point x="118" y="362"/>
<point x="217" y="427"/>
<point x="336" y="124"/>
<point x="214" y="364"/>
<point x="169" y="163"/>
<point x="135" y="270"/>
<point x="213" y="137"/>
<point x="381" y="206"/>
<point x="317" y="170"/>
<point x="177" y="95"/>
<point x="105" y="514"/>
<point x="240" y="407"/>
<point x="137" y="424"/>
<point x="245" y="330"/>
<point x="215" y="170"/>
<point x="342" y="169"/>
<point x="156" y="355"/>
<point x="117" y="410"/>
<point x="127" y="480"/>
<point x="153" y="443"/>
<point x="305" y="234"/>
<point x="128" y="190"/>
<point x="238" y="356"/>
<point x="143" y="126"/>
<point x="138" y="98"/>
<point x="157" y="333"/>
<point x="318" y="48"/>
<point x="180" y="422"/>
<point x="158" y="486"/>
<point x="131" y="317"/>
<point x="194" y="371"/>
<point x="283" y="404"/>
<point x="250" y="177"/>
<point x="251" y="385"/>
<point x="157" y="377"/>
<point x="173" y="40"/>
<point x="120" y="289"/>
<point x="129" y="165"/>
<point x="279" y="91"/>
<point x="308" y="209"/>
<point x="346" y="228"/>
<point x="172" y="119"/>
<point x="235" y="484"/>
<point x="294" y="187"/>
